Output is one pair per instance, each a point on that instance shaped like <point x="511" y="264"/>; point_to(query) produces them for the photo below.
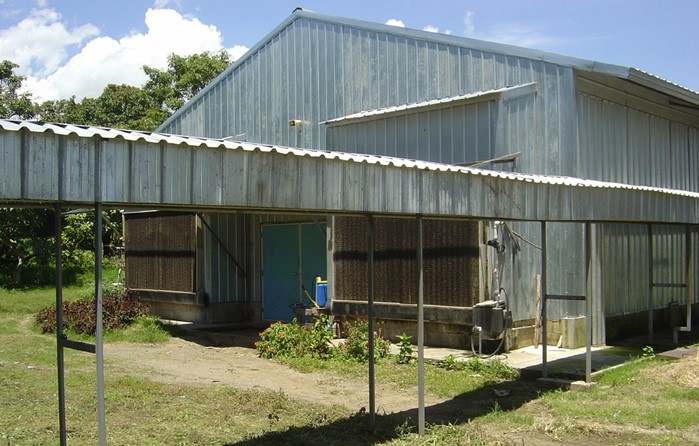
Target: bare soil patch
<point x="180" y="361"/>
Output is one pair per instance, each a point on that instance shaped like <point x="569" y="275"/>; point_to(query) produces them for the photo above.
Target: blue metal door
<point x="313" y="252"/>
<point x="293" y="255"/>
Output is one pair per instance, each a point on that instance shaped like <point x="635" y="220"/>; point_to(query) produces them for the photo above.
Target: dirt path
<point x="180" y="361"/>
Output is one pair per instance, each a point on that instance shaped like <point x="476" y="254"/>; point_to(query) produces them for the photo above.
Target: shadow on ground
<point x="356" y="430"/>
<point x="213" y="336"/>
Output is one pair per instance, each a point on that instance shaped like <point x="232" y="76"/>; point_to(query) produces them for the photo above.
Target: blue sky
<point x="75" y="47"/>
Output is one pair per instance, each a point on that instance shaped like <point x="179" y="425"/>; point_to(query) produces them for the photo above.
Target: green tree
<point x="183" y="78"/>
<point x="129" y="107"/>
<point x="25" y="238"/>
<point x="26" y="256"/>
<point x="13" y="105"/>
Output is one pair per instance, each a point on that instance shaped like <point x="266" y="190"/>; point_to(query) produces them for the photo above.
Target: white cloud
<point x="520" y="35"/>
<point x="509" y="33"/>
<point x="38" y="43"/>
<point x="159" y="4"/>
<point x="430" y="28"/>
<point x="395" y="22"/>
<point x="237" y="51"/>
<point x="106" y="60"/>
<point x="469" y="27"/>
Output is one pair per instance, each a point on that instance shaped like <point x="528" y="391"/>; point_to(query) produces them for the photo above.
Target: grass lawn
<point x="645" y="402"/>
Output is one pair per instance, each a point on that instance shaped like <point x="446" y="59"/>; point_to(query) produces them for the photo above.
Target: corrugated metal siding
<point x="223" y="281"/>
<point x="625" y="271"/>
<point x="622" y="144"/>
<point x="519" y="273"/>
<point x="451" y="135"/>
<point x="314" y="71"/>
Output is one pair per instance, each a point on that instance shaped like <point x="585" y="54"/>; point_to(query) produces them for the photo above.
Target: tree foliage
<point x="184" y="78"/>
<point x="12" y="103"/>
<point x="119" y="106"/>
<point x="26" y="235"/>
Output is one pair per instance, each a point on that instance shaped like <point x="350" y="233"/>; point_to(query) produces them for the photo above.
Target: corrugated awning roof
<point x="154" y="137"/>
<point x="46" y="167"/>
<point x="399" y="110"/>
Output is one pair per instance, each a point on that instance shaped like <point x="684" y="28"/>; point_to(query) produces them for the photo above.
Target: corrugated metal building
<point x="346" y="85"/>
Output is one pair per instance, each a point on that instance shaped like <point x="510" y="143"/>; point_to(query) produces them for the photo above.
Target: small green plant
<point x="356" y="345"/>
<point x="280" y="340"/>
<point x="450" y="363"/>
<point x="405" y="349"/>
<point x="319" y="337"/>
<point x="647" y="352"/>
<point x="292" y="340"/>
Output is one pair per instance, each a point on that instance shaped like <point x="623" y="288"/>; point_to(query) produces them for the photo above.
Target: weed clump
<point x="120" y="308"/>
<point x="356" y="345"/>
<point x="293" y="340"/>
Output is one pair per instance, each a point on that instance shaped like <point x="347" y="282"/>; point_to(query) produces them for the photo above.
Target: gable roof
<point x="628" y="73"/>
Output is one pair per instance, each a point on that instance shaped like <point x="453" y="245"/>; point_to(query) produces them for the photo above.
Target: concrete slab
<point x="679" y="353"/>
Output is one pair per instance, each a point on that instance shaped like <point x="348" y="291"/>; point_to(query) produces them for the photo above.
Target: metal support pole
<point x="544" y="346"/>
<point x="370" y="316"/>
<point x="588" y="303"/>
<point x="420" y="332"/>
<point x="689" y="278"/>
<point x="60" y="364"/>
<point x="99" y="347"/>
<point x="687" y="287"/>
<point x="650" y="283"/>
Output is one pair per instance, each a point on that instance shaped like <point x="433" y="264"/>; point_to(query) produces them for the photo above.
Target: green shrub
<point x="292" y="340"/>
<point x="120" y="308"/>
<point x="405" y="349"/>
<point x="356" y="345"/>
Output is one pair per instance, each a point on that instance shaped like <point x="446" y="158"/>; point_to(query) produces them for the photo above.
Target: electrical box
<point x="492" y="317"/>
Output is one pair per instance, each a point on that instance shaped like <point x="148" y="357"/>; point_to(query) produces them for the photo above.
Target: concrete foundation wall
<point x="194" y="310"/>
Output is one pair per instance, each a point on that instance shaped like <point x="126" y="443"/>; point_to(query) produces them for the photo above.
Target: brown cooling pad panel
<point x="451" y="251"/>
<point x="160" y="251"/>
